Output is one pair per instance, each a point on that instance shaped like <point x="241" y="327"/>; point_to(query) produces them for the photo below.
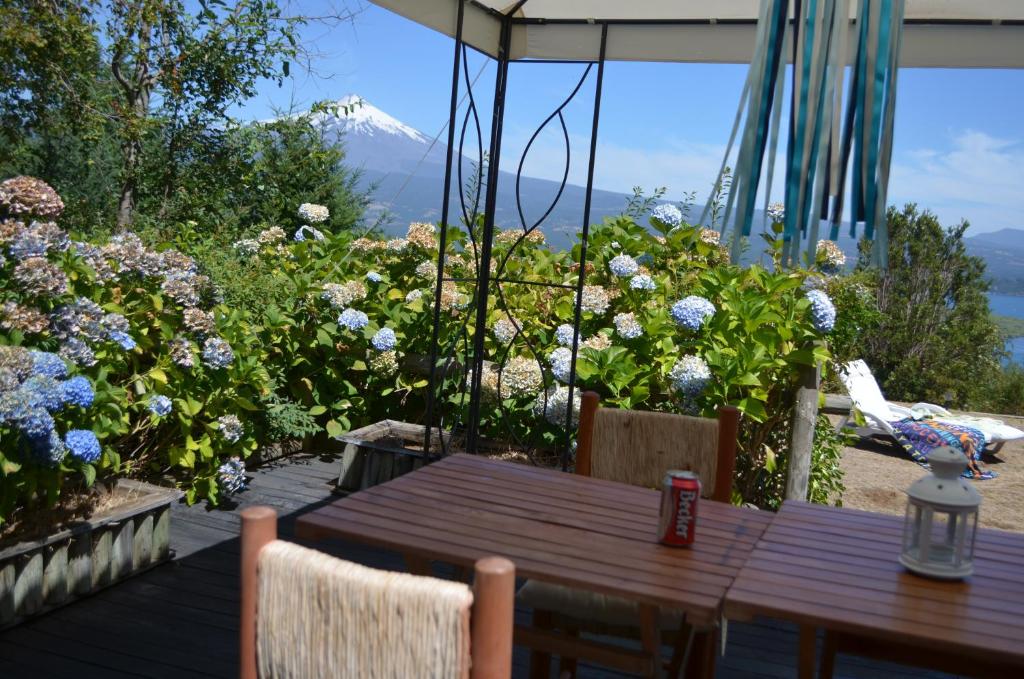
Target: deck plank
<point x="180" y="619"/>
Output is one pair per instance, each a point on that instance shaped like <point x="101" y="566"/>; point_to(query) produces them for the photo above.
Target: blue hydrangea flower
<point x="642" y="281"/>
<point x="159" y="405"/>
<point x="217" y="353"/>
<point x="690" y="375"/>
<point x="48" y="449"/>
<point x="122" y="338"/>
<point x="561" y="363"/>
<point x="623" y="265"/>
<point x="352" y="319"/>
<point x="306" y="230"/>
<point x="115" y="322"/>
<point x="29" y="243"/>
<point x="12" y="405"/>
<point x="231" y="476"/>
<point x="823" y="312"/>
<point x="47" y="364"/>
<point x="230" y="427"/>
<point x="384" y="340"/>
<point x="374" y="277"/>
<point x="667" y="213"/>
<point x="78" y="352"/>
<point x="564" y="334"/>
<point x="83" y="445"/>
<point x="77" y="391"/>
<point x="43" y="392"/>
<point x="692" y="312"/>
<point x="35" y="423"/>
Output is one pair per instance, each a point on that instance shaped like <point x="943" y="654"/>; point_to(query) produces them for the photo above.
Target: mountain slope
<point x="405" y="174"/>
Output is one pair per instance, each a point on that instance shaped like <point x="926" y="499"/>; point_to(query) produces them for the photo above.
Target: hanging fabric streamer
<point x="818" y="153"/>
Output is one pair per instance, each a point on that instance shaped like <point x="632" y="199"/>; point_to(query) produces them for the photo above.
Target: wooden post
<point x="494" y="602"/>
<point x="728" y="431"/>
<point x="805" y="415"/>
<point x="259" y="526"/>
<point x="590" y="402"/>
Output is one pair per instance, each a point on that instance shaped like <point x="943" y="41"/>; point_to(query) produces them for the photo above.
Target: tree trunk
<point x="139" y="107"/>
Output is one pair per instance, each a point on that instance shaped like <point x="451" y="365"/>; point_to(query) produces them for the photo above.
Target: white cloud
<point x="972" y="175"/>
<point x="977" y="177"/>
<point x="679" y="164"/>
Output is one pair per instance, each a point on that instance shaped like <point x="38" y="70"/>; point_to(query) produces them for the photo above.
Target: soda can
<point x="677" y="521"/>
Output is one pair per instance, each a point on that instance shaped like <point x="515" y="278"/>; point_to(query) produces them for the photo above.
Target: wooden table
<point x="837" y="569"/>
<point x="571" y="530"/>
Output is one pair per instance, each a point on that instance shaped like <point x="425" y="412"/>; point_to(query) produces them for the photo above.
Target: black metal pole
<point x="487" y="237"/>
<point x="583" y="245"/>
<point x="443" y="238"/>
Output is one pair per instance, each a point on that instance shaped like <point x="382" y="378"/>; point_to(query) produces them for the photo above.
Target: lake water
<point x="1010" y="305"/>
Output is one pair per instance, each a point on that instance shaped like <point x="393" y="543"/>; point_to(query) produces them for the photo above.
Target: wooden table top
<point x="838" y="569"/>
<point x="556" y="527"/>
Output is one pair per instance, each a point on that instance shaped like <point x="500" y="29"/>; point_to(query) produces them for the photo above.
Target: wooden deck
<point x="180" y="619"/>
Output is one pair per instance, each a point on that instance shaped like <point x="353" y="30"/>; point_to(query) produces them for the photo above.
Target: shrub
<point x="936" y="340"/>
<point x="185" y="385"/>
<point x="167" y="365"/>
<point x="667" y="324"/>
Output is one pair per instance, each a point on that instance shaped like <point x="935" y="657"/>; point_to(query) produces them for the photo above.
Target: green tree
<point x="936" y="340"/>
<point x="179" y="73"/>
<point x="55" y="103"/>
<point x="292" y="161"/>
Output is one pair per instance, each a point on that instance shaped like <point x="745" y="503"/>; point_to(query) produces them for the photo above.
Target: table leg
<point x="702" y="655"/>
<point x="808" y="639"/>
<point x="683" y="649"/>
<point x="828" y="655"/>
<point x="650" y="637"/>
<point x="540" y="662"/>
<point x="567" y="666"/>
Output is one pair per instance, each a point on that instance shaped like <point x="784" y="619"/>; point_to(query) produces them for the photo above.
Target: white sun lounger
<point x="879" y="414"/>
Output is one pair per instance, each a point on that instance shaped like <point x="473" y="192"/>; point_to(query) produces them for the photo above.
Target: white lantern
<point x="941" y="520"/>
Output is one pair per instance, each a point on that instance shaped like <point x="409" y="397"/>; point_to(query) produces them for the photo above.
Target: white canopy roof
<point x="937" y="33"/>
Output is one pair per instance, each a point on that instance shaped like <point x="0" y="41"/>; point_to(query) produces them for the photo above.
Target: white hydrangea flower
<point x="313" y="213"/>
<point x="552" y="405"/>
<point x="627" y="326"/>
<point x="505" y="330"/>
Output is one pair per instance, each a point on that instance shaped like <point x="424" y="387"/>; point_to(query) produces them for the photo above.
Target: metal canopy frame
<point x="441" y="362"/>
<point x="1003" y="32"/>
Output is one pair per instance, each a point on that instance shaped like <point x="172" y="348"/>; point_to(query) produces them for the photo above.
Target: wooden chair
<point x="638" y="447"/>
<point x="308" y="614"/>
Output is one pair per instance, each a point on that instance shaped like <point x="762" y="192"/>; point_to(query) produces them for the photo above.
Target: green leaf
<point x="89" y="474"/>
<point x="334" y="429"/>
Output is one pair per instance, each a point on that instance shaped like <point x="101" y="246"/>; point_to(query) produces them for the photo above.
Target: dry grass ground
<point x="877" y="472"/>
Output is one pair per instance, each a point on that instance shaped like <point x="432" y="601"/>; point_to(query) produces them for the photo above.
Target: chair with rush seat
<point x="637" y="448"/>
<point x="308" y="614"/>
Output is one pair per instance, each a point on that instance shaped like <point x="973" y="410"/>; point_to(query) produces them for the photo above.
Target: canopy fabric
<point x="937" y="33"/>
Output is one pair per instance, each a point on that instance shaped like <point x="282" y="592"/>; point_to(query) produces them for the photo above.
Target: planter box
<point x="39" y="575"/>
<point x="383" y="451"/>
<point x="380" y="452"/>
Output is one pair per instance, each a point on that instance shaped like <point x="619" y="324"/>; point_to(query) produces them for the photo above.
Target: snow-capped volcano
<point x="405" y="174"/>
<point x="374" y="140"/>
<point x="354" y="114"/>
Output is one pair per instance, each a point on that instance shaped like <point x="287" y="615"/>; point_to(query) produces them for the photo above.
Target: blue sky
<point x="959" y="141"/>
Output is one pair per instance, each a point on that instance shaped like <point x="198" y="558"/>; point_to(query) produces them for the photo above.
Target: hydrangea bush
<point x="117" y="359"/>
<point x="184" y="384"/>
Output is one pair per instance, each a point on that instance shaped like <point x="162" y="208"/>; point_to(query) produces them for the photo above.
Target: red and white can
<point x="677" y="522"/>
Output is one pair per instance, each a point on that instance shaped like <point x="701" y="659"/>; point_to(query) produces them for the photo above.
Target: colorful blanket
<point x="921" y="437"/>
